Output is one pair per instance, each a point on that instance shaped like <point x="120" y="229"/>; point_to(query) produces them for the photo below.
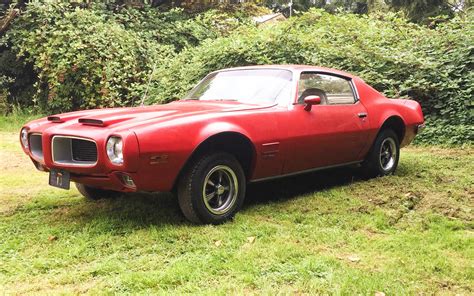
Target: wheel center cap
<point x="220" y="189"/>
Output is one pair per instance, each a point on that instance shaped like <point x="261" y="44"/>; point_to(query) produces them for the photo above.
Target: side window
<point x="332" y="90"/>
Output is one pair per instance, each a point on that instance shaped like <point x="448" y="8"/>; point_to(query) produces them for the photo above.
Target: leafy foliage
<point x="396" y="57"/>
<point x="16" y="82"/>
<point x="82" y="59"/>
<point x="95" y="57"/>
<point x="421" y="10"/>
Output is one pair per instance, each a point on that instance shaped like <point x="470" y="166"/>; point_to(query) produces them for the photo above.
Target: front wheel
<point x="384" y="155"/>
<point x="212" y="189"/>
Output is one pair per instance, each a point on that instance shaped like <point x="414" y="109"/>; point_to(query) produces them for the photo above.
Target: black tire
<point x="211" y="189"/>
<point x="93" y="193"/>
<point x="383" y="157"/>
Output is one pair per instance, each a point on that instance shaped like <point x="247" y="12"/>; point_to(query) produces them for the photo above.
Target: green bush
<point x="400" y="59"/>
<point x="94" y="57"/>
<point x="16" y="82"/>
<point x="59" y="57"/>
<point x="180" y="29"/>
<point x="82" y="59"/>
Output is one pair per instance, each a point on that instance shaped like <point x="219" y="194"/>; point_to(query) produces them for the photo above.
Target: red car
<point x="236" y="126"/>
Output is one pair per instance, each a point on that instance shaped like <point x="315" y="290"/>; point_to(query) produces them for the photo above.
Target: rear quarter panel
<point x="381" y="108"/>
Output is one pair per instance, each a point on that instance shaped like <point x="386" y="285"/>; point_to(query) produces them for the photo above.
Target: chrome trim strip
<point x="305" y="171"/>
<point x="73" y="163"/>
<point x="354" y="90"/>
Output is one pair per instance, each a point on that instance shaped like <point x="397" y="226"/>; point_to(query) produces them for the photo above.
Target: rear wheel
<point x="93" y="193"/>
<point x="384" y="155"/>
<point x="212" y="189"/>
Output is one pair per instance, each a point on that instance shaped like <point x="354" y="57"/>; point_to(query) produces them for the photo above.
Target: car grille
<point x="83" y="150"/>
<point x="36" y="145"/>
<point x="72" y="150"/>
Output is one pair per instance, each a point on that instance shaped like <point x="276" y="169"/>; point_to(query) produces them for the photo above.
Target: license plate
<point x="60" y="179"/>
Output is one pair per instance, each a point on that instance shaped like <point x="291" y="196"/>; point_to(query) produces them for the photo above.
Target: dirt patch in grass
<point x="449" y="206"/>
<point x="10" y="161"/>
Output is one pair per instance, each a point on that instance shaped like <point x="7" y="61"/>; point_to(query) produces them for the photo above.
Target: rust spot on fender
<point x="157" y="159"/>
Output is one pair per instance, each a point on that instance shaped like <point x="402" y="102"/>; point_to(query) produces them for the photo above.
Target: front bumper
<point x="100" y="173"/>
<point x="113" y="181"/>
<point x="116" y="180"/>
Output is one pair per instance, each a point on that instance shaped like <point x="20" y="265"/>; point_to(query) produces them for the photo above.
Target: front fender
<point x="215" y="128"/>
<point x="165" y="151"/>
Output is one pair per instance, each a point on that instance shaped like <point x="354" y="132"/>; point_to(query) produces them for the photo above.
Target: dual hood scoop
<point x="55" y="119"/>
<point x="103" y="122"/>
<point x="90" y="121"/>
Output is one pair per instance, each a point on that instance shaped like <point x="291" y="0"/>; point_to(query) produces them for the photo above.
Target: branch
<point x="6" y="21"/>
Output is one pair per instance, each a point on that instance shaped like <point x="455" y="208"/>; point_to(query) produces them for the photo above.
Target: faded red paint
<point x="158" y="140"/>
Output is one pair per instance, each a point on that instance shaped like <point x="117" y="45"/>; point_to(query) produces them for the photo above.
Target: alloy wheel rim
<point x="220" y="189"/>
<point x="388" y="154"/>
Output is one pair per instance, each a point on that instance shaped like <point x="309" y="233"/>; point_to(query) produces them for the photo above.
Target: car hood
<point x="127" y="118"/>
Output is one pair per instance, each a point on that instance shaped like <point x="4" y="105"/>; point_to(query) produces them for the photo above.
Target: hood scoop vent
<point x="103" y="122"/>
<point x="90" y="121"/>
<point x="55" y="119"/>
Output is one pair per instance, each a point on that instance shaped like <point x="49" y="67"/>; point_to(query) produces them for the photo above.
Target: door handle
<point x="362" y="114"/>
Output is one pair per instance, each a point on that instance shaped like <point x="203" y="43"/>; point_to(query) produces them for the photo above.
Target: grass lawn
<point x="323" y="233"/>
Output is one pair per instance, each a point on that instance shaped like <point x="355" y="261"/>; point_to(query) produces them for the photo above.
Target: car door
<point x="331" y="133"/>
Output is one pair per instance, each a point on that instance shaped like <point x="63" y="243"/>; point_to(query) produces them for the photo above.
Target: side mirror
<point x="309" y="101"/>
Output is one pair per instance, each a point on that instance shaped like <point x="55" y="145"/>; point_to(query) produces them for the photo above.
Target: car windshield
<point x="255" y="86"/>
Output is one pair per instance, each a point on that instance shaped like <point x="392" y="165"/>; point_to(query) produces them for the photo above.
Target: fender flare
<point x="214" y="129"/>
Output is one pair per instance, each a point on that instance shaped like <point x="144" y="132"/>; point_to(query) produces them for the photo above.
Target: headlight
<point x="114" y="150"/>
<point x="24" y="137"/>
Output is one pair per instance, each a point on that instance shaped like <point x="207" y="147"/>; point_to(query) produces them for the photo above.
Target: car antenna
<point x="142" y="103"/>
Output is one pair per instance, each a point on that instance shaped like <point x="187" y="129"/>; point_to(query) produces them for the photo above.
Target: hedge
<point x="398" y="58"/>
<point x="93" y="58"/>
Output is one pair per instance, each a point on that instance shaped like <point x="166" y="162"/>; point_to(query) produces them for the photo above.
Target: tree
<point x="421" y="10"/>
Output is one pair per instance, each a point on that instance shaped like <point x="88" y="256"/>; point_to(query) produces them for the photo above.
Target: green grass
<point x="14" y="121"/>
<point x="324" y="233"/>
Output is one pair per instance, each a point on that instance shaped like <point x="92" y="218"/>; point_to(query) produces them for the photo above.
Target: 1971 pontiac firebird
<point x="236" y="126"/>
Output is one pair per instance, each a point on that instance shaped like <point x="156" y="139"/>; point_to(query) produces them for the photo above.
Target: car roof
<point x="293" y="68"/>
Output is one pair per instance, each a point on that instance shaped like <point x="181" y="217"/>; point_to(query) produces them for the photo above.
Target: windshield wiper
<point x="230" y="100"/>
